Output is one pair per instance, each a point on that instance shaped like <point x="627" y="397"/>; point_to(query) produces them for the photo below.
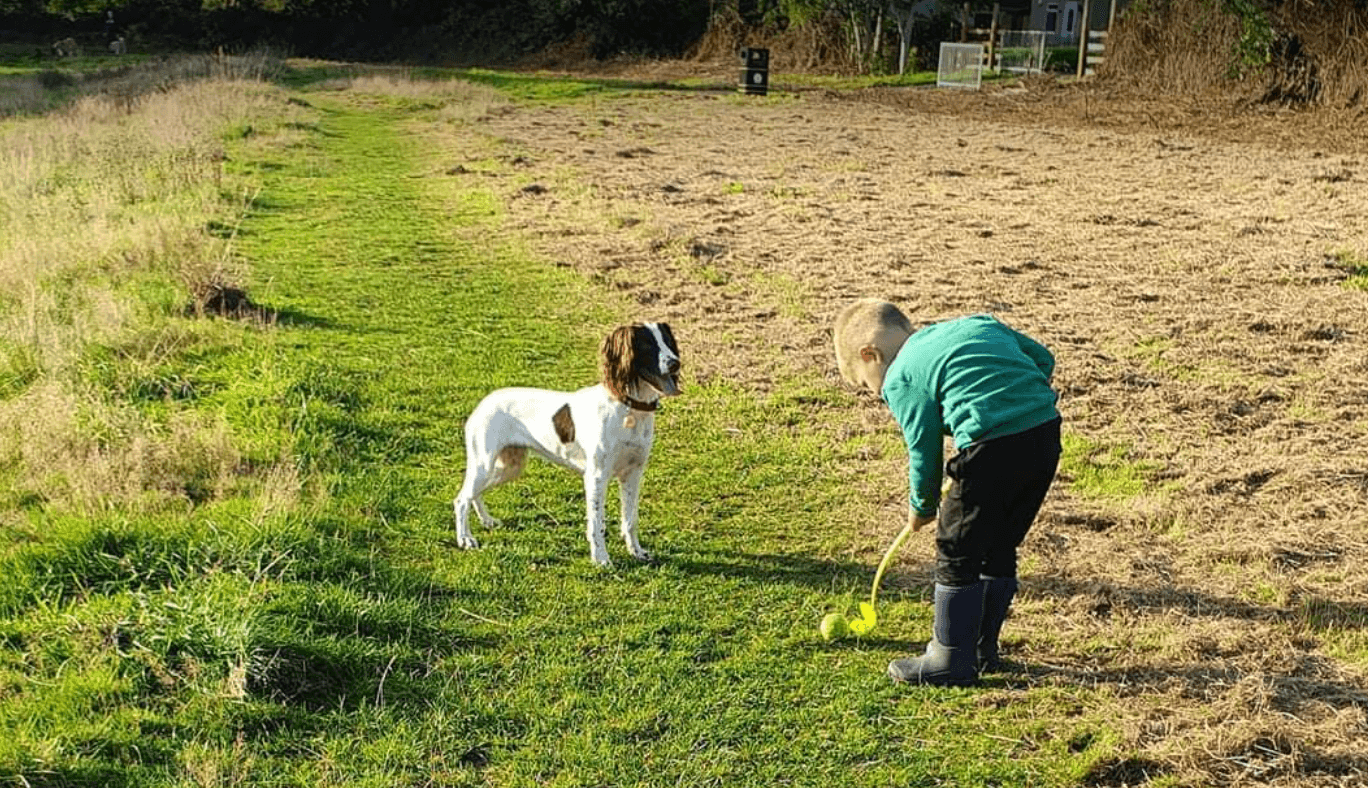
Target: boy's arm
<point x="919" y="417"/>
<point x="1038" y="353"/>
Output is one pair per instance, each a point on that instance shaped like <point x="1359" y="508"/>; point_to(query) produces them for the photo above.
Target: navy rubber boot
<point x="997" y="598"/>
<point x="951" y="657"/>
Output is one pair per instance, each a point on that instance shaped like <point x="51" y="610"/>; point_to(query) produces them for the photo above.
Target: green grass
<point x="1355" y="265"/>
<point x="517" y="85"/>
<point x="911" y="79"/>
<point x="322" y="628"/>
<point x="549" y="87"/>
<point x="1104" y="471"/>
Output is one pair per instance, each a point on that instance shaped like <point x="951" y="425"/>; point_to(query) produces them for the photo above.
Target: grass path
<point x="344" y="640"/>
<point x="401" y="326"/>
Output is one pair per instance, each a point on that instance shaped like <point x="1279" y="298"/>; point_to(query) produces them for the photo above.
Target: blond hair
<point x="868" y="321"/>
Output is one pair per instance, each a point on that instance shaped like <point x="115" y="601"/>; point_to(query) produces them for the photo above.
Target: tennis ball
<point x="834" y="626"/>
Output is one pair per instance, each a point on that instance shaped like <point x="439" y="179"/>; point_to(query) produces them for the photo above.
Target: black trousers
<point x="998" y="488"/>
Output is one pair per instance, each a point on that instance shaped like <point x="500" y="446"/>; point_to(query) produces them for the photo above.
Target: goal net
<point x="960" y="66"/>
<point x="1021" y="51"/>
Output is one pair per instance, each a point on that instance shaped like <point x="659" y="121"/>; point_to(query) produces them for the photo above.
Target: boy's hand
<point x="917" y="521"/>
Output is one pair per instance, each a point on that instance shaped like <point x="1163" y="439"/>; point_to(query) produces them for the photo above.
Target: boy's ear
<point x="870" y="353"/>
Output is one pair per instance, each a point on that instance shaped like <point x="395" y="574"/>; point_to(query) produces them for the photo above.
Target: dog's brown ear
<point x="564" y="424"/>
<point x="617" y="359"/>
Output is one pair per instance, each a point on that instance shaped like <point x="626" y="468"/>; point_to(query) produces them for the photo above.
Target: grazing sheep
<point x="67" y="47"/>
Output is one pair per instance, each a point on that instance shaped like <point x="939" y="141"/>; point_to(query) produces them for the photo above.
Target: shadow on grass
<point x="1262" y="697"/>
<point x="233" y="303"/>
<point x="1309" y="611"/>
<point x="805" y="571"/>
<point x="88" y="775"/>
<point x="789" y="569"/>
<point x="1253" y="738"/>
<point x="295" y="318"/>
<point x="1120" y="772"/>
<point x="321" y="659"/>
<point x="311" y="127"/>
<point x="1313" y="679"/>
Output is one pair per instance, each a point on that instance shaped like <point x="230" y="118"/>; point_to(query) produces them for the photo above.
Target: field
<point x="1201" y="281"/>
<point x="274" y="596"/>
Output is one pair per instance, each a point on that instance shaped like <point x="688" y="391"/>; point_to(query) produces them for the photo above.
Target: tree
<point x="905" y="14"/>
<point x="866" y="28"/>
<point x="21" y="7"/>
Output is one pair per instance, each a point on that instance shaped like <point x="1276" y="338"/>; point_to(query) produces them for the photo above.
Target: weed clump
<point x="51" y="79"/>
<point x="1278" y="53"/>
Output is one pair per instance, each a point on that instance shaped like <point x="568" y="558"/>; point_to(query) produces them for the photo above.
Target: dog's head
<point x="642" y="354"/>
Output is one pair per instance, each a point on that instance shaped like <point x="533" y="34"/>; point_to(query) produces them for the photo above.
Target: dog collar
<point x="636" y="404"/>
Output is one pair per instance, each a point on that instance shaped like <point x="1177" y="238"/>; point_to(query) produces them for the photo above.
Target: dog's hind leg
<point x="595" y="488"/>
<point x="507" y="465"/>
<point x="486" y="519"/>
<point x="629" y="489"/>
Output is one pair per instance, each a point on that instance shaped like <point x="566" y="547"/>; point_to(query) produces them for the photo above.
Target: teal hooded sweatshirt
<point x="974" y="379"/>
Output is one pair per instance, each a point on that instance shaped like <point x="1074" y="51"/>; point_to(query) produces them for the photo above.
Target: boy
<point x="988" y="387"/>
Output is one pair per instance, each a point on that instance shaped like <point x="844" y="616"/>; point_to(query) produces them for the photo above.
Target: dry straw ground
<point x="1186" y="261"/>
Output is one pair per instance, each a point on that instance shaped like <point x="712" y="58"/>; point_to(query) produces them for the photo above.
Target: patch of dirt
<point x="1184" y="259"/>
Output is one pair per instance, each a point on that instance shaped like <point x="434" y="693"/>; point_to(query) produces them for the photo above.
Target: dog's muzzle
<point x="667" y="384"/>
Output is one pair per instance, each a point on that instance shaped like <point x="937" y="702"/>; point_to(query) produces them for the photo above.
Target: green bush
<point x="1061" y="59"/>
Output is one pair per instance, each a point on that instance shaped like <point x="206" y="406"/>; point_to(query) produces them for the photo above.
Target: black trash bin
<point x="754" y="71"/>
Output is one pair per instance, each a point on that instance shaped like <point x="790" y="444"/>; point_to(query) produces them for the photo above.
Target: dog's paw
<point x="491" y="522"/>
<point x="602" y="559"/>
<point x="467" y="543"/>
<point x="643" y="556"/>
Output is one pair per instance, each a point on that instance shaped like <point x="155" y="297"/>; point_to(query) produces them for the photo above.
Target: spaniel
<point x="602" y="432"/>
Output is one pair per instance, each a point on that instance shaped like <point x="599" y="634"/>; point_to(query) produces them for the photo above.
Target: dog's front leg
<point x="595" y="488"/>
<point x="630" y="491"/>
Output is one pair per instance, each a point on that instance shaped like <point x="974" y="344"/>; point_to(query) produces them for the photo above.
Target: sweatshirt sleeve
<point x="919" y="416"/>
<point x="1037" y="352"/>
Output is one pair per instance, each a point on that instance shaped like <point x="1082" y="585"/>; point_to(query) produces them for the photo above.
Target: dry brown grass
<point x="817" y="46"/>
<point x="1176" y="47"/>
<point x="78" y="451"/>
<point x="1318" y="54"/>
<point x="112" y="190"/>
<point x="1322" y="55"/>
<point x="454" y="100"/>
<point x="124" y="85"/>
<point x="121" y="185"/>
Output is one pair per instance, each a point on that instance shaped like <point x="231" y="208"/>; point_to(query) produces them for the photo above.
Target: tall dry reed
<point x="1172" y="47"/>
<point x="1312" y="52"/>
<point x="1321" y="56"/>
<point x="456" y="101"/>
<point x="96" y="201"/>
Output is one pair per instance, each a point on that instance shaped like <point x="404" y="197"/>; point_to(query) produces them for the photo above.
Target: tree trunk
<point x="905" y="22"/>
<point x="856" y="37"/>
<point x="877" y="47"/>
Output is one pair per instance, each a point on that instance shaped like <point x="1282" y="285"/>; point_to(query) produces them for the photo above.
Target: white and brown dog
<point x="603" y="432"/>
